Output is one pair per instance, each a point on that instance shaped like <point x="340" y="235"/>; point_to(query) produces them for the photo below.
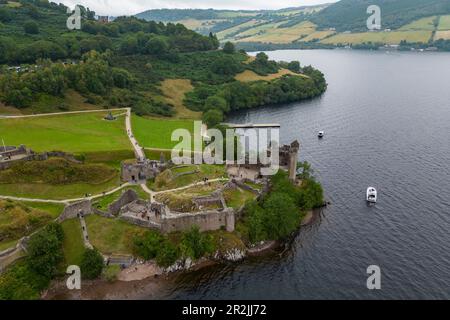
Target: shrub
<point x="31" y="27"/>
<point x="168" y="254"/>
<point x="91" y="264"/>
<point x="229" y="48"/>
<point x="45" y="250"/>
<point x="195" y="244"/>
<point x="212" y="117"/>
<point x="148" y="245"/>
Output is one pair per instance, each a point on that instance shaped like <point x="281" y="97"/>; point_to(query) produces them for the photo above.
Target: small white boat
<point x="371" y="195"/>
<point x="321" y="134"/>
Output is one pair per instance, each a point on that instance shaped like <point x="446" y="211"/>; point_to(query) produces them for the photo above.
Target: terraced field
<point x="443" y="30"/>
<point x="393" y="37"/>
<point x="273" y="33"/>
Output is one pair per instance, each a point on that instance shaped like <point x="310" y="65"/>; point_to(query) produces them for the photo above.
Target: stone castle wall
<point x="72" y="210"/>
<point x="126" y="198"/>
<point x="206" y="221"/>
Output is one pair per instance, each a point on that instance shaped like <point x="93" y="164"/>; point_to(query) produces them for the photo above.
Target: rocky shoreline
<point x="147" y="277"/>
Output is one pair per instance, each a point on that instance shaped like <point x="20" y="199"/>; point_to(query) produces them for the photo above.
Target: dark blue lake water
<point x="387" y="123"/>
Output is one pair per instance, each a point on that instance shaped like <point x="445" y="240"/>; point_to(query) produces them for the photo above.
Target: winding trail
<point x="66" y="201"/>
<point x="59" y="113"/>
<point x="138" y="150"/>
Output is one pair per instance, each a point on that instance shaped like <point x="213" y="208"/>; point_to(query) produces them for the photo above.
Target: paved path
<point x="140" y="155"/>
<point x="58" y="113"/>
<point x="66" y="201"/>
<point x="84" y="231"/>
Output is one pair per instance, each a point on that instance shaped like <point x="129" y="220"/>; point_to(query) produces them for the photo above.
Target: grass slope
<point x="156" y="132"/>
<point x="76" y="133"/>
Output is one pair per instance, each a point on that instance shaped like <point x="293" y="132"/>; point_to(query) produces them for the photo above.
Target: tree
<point x="216" y="102"/>
<point x="254" y="216"/>
<point x="195" y="244"/>
<point x="212" y="117"/>
<point x="294" y="66"/>
<point x="281" y="216"/>
<point x="45" y="250"/>
<point x="148" y="245"/>
<point x="229" y="48"/>
<point x="156" y="46"/>
<point x="168" y="254"/>
<point x="91" y="264"/>
<point x="31" y="27"/>
<point x="226" y="66"/>
<point x="5" y="15"/>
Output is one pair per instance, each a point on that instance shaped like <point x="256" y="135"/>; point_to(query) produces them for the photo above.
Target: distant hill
<point x="351" y="14"/>
<point x="341" y="23"/>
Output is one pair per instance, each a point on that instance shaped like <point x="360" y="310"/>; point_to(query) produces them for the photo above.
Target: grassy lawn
<point x="155" y="154"/>
<point x="174" y="91"/>
<point x="7" y="244"/>
<point x="237" y="198"/>
<point x="53" y="209"/>
<point x="56" y="192"/>
<point x="157" y="133"/>
<point x="76" y="133"/>
<point x="167" y="179"/>
<point x="111" y="235"/>
<point x="393" y="37"/>
<point x="73" y="245"/>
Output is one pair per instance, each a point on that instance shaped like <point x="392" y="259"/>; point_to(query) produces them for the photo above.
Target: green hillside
<point x="420" y="23"/>
<point x="150" y="67"/>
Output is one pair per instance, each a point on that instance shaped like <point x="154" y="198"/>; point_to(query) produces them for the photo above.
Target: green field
<point x="73" y="242"/>
<point x="168" y="180"/>
<point x="77" y="133"/>
<point x="53" y="208"/>
<point x="111" y="236"/>
<point x="157" y="133"/>
<point x="56" y="192"/>
<point x="420" y="25"/>
<point x="444" y="23"/>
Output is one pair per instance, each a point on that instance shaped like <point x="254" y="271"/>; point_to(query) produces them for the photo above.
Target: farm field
<point x="444" y="23"/>
<point x="420" y="25"/>
<point x="275" y="34"/>
<point x="394" y="37"/>
<point x="319" y="35"/>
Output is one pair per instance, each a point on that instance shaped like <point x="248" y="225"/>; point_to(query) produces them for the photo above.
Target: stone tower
<point x="293" y="159"/>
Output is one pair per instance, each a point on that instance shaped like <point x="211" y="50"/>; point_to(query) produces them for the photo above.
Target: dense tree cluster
<point x="125" y="35"/>
<point x="279" y="214"/>
<point x="192" y="244"/>
<point x="216" y="100"/>
<point x="26" y="279"/>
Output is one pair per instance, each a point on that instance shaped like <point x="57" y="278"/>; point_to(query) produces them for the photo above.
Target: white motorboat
<point x="321" y="134"/>
<point x="371" y="195"/>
